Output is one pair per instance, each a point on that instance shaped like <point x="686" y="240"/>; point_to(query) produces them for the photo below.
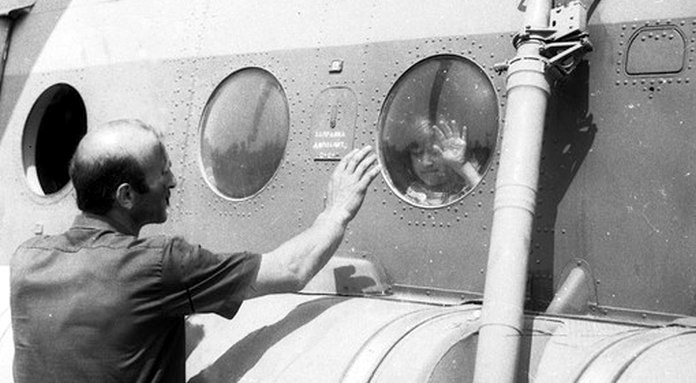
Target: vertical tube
<point x="516" y="187"/>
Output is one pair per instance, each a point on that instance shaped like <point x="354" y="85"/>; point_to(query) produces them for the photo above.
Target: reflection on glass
<point x="244" y="133"/>
<point x="438" y="127"/>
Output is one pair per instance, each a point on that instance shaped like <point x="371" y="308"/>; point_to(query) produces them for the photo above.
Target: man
<point x="99" y="304"/>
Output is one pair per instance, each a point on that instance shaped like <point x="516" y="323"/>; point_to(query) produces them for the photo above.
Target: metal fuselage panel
<point x="166" y="78"/>
<point x="616" y="187"/>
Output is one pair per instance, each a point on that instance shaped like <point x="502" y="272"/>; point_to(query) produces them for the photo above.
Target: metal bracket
<point x="565" y="23"/>
<point x="564" y="42"/>
<point x="565" y="56"/>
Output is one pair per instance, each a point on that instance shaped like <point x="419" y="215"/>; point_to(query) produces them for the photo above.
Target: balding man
<point x="99" y="304"/>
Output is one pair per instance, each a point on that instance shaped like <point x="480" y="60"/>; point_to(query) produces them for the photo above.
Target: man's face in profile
<point x="151" y="206"/>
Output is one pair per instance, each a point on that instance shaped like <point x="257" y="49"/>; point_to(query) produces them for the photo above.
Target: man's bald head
<point x="109" y="156"/>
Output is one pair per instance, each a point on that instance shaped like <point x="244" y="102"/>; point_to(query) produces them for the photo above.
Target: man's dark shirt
<point x="95" y="305"/>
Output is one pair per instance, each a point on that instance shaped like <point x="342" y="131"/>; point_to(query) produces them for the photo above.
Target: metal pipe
<point x="574" y="294"/>
<point x="515" y="198"/>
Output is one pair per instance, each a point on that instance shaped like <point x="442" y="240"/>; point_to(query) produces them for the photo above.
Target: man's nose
<point x="172" y="180"/>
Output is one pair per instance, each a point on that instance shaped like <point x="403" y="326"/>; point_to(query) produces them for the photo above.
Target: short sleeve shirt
<point x="96" y="305"/>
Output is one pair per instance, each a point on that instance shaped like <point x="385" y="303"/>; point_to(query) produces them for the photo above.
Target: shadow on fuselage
<point x="245" y="354"/>
<point x="569" y="133"/>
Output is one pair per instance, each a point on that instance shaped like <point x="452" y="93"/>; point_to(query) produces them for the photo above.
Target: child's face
<point x="427" y="167"/>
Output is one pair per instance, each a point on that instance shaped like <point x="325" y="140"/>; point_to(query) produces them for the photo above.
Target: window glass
<point x="244" y="133"/>
<point x="438" y="129"/>
<point x="56" y="123"/>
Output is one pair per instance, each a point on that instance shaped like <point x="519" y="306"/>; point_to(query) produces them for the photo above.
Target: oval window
<point x="438" y="129"/>
<point x="56" y="123"/>
<point x="244" y="131"/>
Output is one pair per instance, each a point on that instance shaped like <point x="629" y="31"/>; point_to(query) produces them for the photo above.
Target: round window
<point x="55" y="125"/>
<point x="438" y="129"/>
<point x="244" y="131"/>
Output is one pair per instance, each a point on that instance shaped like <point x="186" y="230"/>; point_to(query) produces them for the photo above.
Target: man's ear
<point x="125" y="196"/>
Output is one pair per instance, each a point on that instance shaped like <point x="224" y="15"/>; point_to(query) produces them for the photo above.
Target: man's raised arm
<point x="293" y="264"/>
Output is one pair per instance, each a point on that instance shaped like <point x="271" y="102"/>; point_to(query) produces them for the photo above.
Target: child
<point x="441" y="163"/>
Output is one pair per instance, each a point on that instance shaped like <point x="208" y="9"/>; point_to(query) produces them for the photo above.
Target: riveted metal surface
<point x="301" y="181"/>
<point x="655" y="50"/>
<point x="617" y="176"/>
<point x="616" y="180"/>
<point x="168" y="86"/>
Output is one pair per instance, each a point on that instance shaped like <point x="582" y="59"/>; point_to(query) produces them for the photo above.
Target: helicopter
<point x="567" y="257"/>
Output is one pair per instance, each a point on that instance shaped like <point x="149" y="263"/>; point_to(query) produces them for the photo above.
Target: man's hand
<point x="349" y="182"/>
<point x="291" y="266"/>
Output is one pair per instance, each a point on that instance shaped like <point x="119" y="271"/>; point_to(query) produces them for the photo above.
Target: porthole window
<point x="438" y="130"/>
<point x="55" y="125"/>
<point x="244" y="132"/>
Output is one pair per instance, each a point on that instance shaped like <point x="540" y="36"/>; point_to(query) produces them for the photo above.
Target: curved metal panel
<point x="669" y="361"/>
<point x="610" y="363"/>
<point x="297" y="338"/>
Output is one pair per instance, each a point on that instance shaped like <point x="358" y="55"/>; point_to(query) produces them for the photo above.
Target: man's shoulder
<point x="171" y="245"/>
<point x="162" y="241"/>
<point x="103" y="239"/>
<point x="154" y="241"/>
<point x="44" y="241"/>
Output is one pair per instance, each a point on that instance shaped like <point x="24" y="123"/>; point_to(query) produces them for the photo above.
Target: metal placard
<point x="333" y="123"/>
